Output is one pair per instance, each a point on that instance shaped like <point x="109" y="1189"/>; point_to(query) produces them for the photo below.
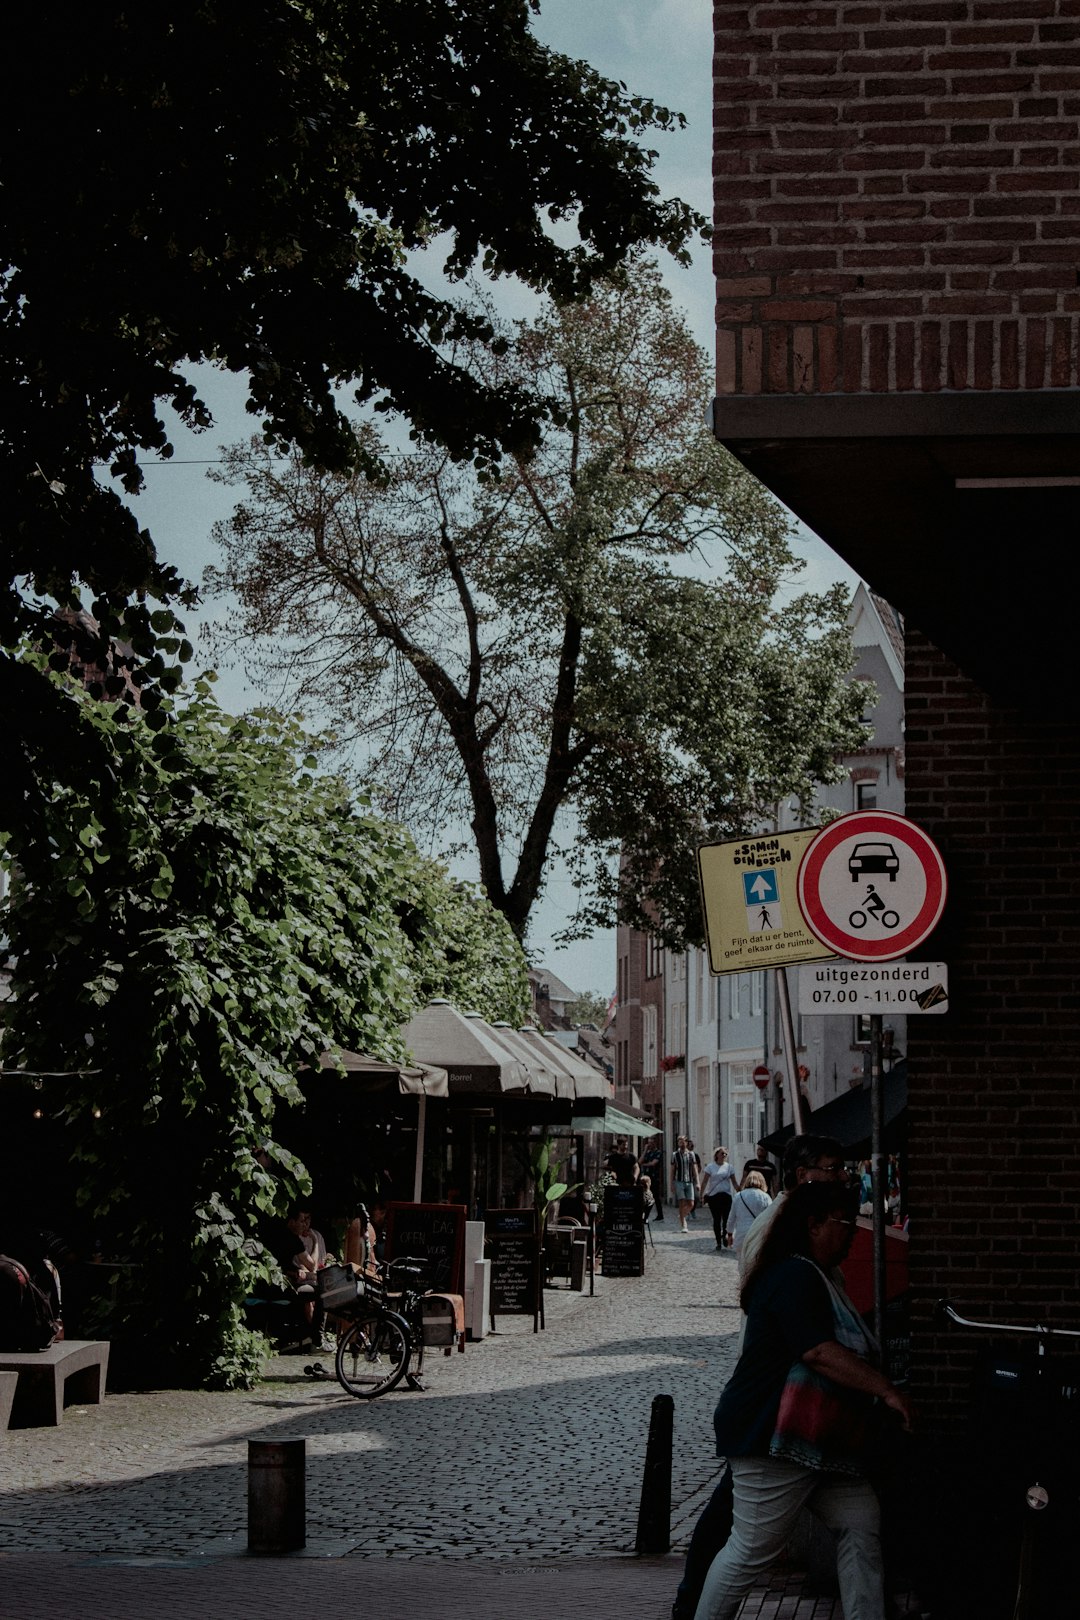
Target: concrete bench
<point x="44" y="1375"/>
<point x="7" y="1397"/>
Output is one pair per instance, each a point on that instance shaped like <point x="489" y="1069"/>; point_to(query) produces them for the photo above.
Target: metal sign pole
<point x="878" y="1183"/>
<point x="784" y="1003"/>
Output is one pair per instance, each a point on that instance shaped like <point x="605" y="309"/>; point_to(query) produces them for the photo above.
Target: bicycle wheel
<point x="374" y="1355"/>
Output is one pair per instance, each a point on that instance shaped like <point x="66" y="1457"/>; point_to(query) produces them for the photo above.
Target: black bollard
<point x="654" y="1514"/>
<point x="276" y="1508"/>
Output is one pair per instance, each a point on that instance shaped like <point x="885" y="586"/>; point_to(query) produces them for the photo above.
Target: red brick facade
<point x="994" y="1102"/>
<point x="897" y="193"/>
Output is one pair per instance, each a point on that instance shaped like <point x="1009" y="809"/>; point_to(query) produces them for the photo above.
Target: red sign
<point x="762" y="1076"/>
<point x="871" y="886"/>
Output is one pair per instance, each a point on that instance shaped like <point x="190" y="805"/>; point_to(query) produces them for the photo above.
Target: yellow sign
<point x="750" y="899"/>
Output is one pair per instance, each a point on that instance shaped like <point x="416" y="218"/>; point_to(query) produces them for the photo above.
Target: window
<point x="862" y="1030"/>
<point x="734" y="983"/>
<point x="653" y="958"/>
<point x="699" y="963"/>
<point x="648" y="1040"/>
<point x="756" y="988"/>
<point x="712" y="999"/>
<point x="676" y="1036"/>
<point x="866" y="795"/>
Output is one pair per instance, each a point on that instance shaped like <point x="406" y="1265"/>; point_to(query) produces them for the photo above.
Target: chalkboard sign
<point x="434" y="1233"/>
<point x="624" y="1232"/>
<point x="512" y="1244"/>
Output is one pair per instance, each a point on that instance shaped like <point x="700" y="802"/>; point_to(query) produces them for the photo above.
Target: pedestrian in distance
<point x="749" y="1202"/>
<point x="652" y="1165"/>
<point x="718" y="1183"/>
<point x="763" y="1165"/>
<point x="697" y="1184"/>
<point x="684" y="1180"/>
<point x="796" y="1417"/>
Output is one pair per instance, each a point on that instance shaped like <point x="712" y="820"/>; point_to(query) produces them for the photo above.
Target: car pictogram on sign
<point x="871" y="857"/>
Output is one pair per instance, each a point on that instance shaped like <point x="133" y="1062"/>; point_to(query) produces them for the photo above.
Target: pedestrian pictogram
<point x="752" y="917"/>
<point x="871" y="886"/>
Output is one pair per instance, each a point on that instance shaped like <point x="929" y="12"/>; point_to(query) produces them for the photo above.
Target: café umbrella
<point x="421" y="1080"/>
<point x="465" y="1047"/>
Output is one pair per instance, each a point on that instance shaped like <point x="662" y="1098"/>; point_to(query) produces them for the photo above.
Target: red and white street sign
<point x="871" y="886"/>
<point x="762" y="1076"/>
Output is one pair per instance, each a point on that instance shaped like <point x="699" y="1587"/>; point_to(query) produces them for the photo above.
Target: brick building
<point x="637" y="1031"/>
<point x="898" y="290"/>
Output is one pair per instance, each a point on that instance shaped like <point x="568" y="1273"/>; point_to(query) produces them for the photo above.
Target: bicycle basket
<point x="338" y="1286"/>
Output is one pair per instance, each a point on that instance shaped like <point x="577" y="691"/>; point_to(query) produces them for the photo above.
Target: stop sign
<point x="762" y="1076"/>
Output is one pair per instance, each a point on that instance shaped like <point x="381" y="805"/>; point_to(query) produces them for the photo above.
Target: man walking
<point x="684" y="1180"/>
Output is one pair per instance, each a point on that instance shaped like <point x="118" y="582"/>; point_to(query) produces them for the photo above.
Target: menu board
<point x="434" y="1233"/>
<point x="512" y="1244"/>
<point x="624" y="1232"/>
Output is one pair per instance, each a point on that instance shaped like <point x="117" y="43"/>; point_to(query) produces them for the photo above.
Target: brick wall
<point x="995" y="1084"/>
<point x="897" y="190"/>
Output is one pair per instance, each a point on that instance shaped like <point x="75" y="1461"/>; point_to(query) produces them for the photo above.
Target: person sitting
<point x="360" y="1240"/>
<point x="299" y="1269"/>
<point x="314" y="1242"/>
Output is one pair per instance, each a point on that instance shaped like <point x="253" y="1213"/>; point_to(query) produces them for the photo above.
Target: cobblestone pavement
<point x="526" y="1448"/>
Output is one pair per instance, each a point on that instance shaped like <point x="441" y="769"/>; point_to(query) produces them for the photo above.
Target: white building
<point x="722" y="1028"/>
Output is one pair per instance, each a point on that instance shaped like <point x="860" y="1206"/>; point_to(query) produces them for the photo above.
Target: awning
<point x="613" y="1121"/>
<point x="473" y="1059"/>
<point x="422" y="1080"/>
<point x="543" y="1078"/>
<point x="577" y="1079"/>
<point x="848" y="1117"/>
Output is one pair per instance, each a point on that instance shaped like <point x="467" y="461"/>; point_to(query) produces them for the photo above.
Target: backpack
<point x="27" y="1321"/>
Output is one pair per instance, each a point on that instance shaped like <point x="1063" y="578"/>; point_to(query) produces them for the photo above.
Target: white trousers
<point x="769" y="1496"/>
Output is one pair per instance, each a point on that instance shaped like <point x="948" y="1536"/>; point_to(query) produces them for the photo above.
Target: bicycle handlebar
<point x="945" y="1310"/>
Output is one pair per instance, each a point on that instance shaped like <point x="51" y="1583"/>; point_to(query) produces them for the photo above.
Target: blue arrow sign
<point x="760" y="887"/>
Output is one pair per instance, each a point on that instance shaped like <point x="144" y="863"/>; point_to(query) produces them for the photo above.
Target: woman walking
<point x="718" y="1183"/>
<point x="749" y="1202"/>
<point x="794" y="1419"/>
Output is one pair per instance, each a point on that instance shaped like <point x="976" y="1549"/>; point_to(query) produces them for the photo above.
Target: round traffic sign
<point x="762" y="1076"/>
<point x="871" y="886"/>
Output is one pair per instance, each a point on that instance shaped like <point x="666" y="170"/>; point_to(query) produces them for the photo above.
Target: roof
<point x="556" y="989"/>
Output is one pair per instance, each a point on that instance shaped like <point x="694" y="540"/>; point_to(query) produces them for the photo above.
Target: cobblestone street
<point x="527" y="1448"/>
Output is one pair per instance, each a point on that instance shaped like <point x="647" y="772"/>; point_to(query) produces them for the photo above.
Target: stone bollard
<point x="579" y="1254"/>
<point x="276" y="1507"/>
<point x="654" y="1514"/>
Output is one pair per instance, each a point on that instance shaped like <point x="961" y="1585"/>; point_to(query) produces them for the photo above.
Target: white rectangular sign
<point x="874" y="987"/>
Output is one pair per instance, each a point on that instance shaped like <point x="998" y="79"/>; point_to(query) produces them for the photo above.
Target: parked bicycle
<point x="388" y="1318"/>
<point x="1030" y="1484"/>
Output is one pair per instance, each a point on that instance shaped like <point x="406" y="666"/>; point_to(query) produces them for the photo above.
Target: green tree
<point x="206" y="917"/>
<point x="510" y="651"/>
<point x="251" y="183"/>
<point x="588" y="1008"/>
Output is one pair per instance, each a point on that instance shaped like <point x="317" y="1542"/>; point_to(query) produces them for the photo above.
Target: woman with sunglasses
<point x="794" y="1420"/>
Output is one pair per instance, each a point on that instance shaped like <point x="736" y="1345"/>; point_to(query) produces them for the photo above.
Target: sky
<point x="659" y="48"/>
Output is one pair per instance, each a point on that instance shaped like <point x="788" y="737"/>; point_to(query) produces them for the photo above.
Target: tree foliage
<point x="512" y="651"/>
<point x="587" y="1008"/>
<point x="210" y="915"/>
<point x="250" y="183"/>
